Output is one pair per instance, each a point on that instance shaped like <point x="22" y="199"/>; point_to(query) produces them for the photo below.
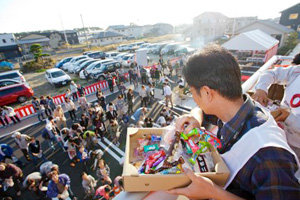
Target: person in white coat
<point x="74" y="90"/>
<point x="22" y="141"/>
<point x="288" y="113"/>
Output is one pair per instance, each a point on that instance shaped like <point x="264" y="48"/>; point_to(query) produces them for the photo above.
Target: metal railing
<point x="250" y="83"/>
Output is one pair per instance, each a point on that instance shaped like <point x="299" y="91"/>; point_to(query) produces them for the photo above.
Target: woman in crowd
<point x="103" y="172"/>
<point x="9" y="111"/>
<point x="130" y="100"/>
<point x="70" y="106"/>
<point x="59" y="116"/>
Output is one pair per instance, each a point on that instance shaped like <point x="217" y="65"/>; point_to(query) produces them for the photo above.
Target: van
<point x="15" y="93"/>
<point x="169" y="48"/>
<point x="14" y="74"/>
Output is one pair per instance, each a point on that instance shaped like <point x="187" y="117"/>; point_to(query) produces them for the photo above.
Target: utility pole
<point x="87" y="42"/>
<point x="66" y="39"/>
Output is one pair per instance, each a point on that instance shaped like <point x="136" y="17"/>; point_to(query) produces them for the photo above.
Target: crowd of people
<point x="91" y="123"/>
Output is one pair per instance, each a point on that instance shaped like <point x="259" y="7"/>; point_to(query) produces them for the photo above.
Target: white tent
<point x="256" y="40"/>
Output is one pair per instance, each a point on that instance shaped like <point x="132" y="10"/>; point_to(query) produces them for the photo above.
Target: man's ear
<point x="207" y="93"/>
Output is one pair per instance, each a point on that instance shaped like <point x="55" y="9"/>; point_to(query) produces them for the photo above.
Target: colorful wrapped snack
<point x="152" y="147"/>
<point x="205" y="162"/>
<point x="155" y="138"/>
<point x="208" y="137"/>
<point x="151" y="160"/>
<point x="203" y="147"/>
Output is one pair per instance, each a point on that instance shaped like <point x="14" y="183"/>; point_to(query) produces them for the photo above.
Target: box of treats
<point x="155" y="158"/>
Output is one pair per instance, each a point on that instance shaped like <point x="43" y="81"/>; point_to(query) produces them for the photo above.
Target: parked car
<point x="20" y="92"/>
<point x="73" y="60"/>
<point x="84" y="65"/>
<point x="123" y="47"/>
<point x="57" y="77"/>
<point x="128" y="60"/>
<point x="119" y="57"/>
<point x="7" y="82"/>
<point x="111" y="54"/>
<point x="184" y="50"/>
<point x="71" y="68"/>
<point x="150" y="47"/>
<point x="134" y="46"/>
<point x="63" y="61"/>
<point x="14" y="74"/>
<point x="96" y="65"/>
<point x="96" y="55"/>
<point x="169" y="49"/>
<point x="101" y="73"/>
<point x="158" y="47"/>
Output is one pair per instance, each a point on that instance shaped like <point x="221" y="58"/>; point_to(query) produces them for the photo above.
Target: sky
<point x="34" y="15"/>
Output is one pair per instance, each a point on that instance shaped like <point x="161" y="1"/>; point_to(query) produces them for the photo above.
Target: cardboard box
<point x="135" y="182"/>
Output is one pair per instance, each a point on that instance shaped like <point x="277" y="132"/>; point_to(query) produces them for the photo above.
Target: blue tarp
<point x="6" y="64"/>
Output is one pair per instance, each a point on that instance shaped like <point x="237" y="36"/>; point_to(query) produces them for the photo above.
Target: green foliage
<point x="4" y="69"/>
<point x="36" y="50"/>
<point x="33" y="66"/>
<point x="40" y="70"/>
<point x="290" y="44"/>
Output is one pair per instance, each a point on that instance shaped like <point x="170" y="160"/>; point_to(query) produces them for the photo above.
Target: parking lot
<point x="40" y="86"/>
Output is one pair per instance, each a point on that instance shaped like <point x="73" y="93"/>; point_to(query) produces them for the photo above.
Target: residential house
<point x="209" y="26"/>
<point x="56" y="39"/>
<point x="273" y="29"/>
<point x="163" y="28"/>
<point x="8" y="46"/>
<point x="131" y="31"/>
<point x="290" y="18"/>
<point x="235" y="23"/>
<point x="106" y="38"/>
<point x="146" y="29"/>
<point x="120" y="29"/>
<point x="72" y="37"/>
<point x="31" y="39"/>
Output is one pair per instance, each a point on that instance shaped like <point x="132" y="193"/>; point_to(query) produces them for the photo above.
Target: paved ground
<point x="113" y="155"/>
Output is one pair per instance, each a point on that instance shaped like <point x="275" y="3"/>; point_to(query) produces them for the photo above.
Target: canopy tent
<point x="256" y="40"/>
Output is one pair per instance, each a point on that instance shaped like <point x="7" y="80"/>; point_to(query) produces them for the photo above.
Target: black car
<point x="105" y="68"/>
<point x="97" y="55"/>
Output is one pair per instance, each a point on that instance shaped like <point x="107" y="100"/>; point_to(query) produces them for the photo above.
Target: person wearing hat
<point x="22" y="142"/>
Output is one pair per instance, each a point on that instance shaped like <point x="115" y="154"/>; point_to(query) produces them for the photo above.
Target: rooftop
<point x="106" y="34"/>
<point x="270" y="24"/>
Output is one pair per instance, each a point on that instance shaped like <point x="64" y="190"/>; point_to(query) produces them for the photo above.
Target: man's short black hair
<point x="216" y="68"/>
<point x="296" y="59"/>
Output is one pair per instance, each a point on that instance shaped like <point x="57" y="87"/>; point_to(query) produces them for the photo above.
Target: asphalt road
<point x="111" y="155"/>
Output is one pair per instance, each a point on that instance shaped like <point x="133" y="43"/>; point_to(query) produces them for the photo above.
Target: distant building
<point x="290" y="17"/>
<point x="72" y="36"/>
<point x="106" y="38"/>
<point x="146" y="29"/>
<point x="56" y="39"/>
<point x="8" y="46"/>
<point x="132" y="31"/>
<point x="209" y="26"/>
<point x="273" y="29"/>
<point x="29" y="40"/>
<point x="232" y="24"/>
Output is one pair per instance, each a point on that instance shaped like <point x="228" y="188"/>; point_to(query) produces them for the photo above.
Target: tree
<point x="37" y="51"/>
<point x="290" y="44"/>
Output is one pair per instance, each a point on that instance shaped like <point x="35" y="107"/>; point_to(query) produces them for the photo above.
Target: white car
<point x="84" y="65"/>
<point x="128" y="60"/>
<point x="73" y="60"/>
<point x="57" y="77"/>
<point x="72" y="67"/>
<point x="119" y="57"/>
<point x="111" y="54"/>
<point x="123" y="47"/>
<point x="93" y="68"/>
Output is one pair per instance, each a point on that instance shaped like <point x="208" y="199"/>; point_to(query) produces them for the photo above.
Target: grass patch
<point x="40" y="70"/>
